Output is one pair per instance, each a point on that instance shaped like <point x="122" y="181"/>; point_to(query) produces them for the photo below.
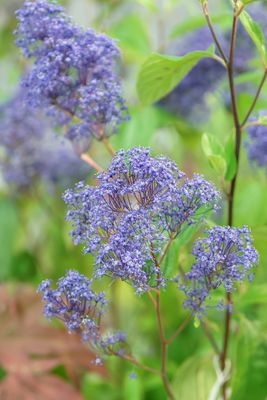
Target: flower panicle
<point x="140" y="202"/>
<point x="223" y="258"/>
<point x="74" y="302"/>
<point x="74" y="76"/>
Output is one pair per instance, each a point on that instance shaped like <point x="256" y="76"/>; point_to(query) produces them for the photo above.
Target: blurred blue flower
<point x="31" y="152"/>
<point x="73" y="77"/>
<point x="256" y="144"/>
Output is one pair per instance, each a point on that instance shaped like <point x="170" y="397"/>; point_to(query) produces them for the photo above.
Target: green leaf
<point x="255" y="33"/>
<point x="195" y="378"/>
<point x="249" y="364"/>
<point x="160" y="74"/>
<point x="211" y="145"/>
<point x="230" y="158"/>
<point x="218" y="163"/>
<point x="214" y="151"/>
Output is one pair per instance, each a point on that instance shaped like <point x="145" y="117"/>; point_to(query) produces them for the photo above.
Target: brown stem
<point x="152" y="299"/>
<point x="255" y="98"/>
<point x="132" y="360"/>
<point x="86" y="158"/>
<point x="166" y="249"/>
<point x="230" y="70"/>
<point x="227" y="331"/>
<point x="164" y="351"/>
<point x="212" y="31"/>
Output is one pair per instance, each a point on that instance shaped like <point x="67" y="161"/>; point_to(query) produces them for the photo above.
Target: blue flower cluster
<point x="257" y="143"/>
<point x="224" y="257"/>
<point x="140" y="203"/>
<point x="81" y="309"/>
<point x="31" y="153"/>
<point x="73" y="77"/>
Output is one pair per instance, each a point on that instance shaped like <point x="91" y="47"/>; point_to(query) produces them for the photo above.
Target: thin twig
<point x="255" y="99"/>
<point x="133" y="360"/>
<point x="152" y="299"/>
<point x="166" y="249"/>
<point x="86" y="158"/>
<point x="164" y="351"/>
<point x="212" y="31"/>
<point x="139" y="364"/>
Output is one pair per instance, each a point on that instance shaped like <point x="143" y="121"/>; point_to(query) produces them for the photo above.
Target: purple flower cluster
<point x="81" y="309"/>
<point x="30" y="152"/>
<point x="196" y="198"/>
<point x="224" y="257"/>
<point x="73" y="77"/>
<point x="125" y="221"/>
<point x="257" y="143"/>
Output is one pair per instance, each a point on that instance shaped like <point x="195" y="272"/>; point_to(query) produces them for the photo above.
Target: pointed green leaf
<point x="211" y="145"/>
<point x="160" y="74"/>
<point x="195" y="378"/>
<point x="255" y="33"/>
<point x="218" y="163"/>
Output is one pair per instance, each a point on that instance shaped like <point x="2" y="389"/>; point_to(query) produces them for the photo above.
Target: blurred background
<point x="41" y="361"/>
